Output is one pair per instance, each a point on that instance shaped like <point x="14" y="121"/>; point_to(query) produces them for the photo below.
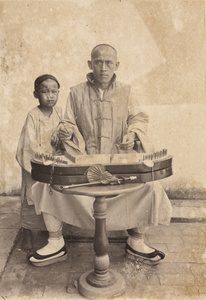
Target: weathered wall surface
<point x="161" y="48"/>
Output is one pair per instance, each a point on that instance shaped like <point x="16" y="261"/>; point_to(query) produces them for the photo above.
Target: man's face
<point x="47" y="93"/>
<point x="103" y="64"/>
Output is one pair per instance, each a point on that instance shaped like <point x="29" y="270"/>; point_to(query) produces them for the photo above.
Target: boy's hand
<point x="54" y="139"/>
<point x="128" y="142"/>
<point x="65" y="132"/>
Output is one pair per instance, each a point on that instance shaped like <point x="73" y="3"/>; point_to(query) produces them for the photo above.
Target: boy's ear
<point x="117" y="65"/>
<point x="90" y="64"/>
<point x="35" y="94"/>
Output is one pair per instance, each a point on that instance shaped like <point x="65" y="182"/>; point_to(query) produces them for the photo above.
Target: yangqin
<point x="101" y="168"/>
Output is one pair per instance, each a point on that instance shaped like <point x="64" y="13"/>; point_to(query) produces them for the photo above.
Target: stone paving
<point x="181" y="275"/>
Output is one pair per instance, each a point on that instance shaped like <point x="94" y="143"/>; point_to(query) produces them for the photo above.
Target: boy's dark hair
<point x="41" y="78"/>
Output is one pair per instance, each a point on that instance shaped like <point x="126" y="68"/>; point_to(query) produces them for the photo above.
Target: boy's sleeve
<point x="27" y="145"/>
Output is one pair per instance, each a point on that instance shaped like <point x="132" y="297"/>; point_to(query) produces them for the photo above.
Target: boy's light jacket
<point x="35" y="137"/>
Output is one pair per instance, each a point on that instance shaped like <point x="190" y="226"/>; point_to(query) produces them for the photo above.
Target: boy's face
<point x="103" y="64"/>
<point x="47" y="93"/>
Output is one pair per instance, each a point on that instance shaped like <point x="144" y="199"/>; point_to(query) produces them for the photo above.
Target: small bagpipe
<point x="101" y="169"/>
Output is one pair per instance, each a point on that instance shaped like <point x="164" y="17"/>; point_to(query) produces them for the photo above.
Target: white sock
<point x="54" y="245"/>
<point x="139" y="245"/>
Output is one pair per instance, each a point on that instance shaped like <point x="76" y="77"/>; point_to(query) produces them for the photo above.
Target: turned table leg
<point x="101" y="276"/>
<point x="101" y="279"/>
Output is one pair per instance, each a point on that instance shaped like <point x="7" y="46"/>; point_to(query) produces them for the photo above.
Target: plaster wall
<point x="161" y="49"/>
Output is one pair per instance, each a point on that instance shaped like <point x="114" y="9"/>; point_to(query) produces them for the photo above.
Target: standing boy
<point x="40" y="123"/>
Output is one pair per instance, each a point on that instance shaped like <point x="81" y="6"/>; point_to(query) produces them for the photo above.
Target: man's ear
<point x="90" y="64"/>
<point x="117" y="65"/>
<point x="35" y="94"/>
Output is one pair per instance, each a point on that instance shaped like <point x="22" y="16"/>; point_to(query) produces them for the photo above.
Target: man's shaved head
<point x="102" y="46"/>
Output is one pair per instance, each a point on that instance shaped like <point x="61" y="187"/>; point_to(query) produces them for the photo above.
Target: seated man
<point x="109" y="121"/>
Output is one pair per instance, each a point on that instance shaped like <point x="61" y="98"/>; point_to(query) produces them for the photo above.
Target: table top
<point x="100" y="190"/>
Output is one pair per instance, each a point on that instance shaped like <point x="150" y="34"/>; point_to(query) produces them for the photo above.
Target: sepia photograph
<point x="102" y="149"/>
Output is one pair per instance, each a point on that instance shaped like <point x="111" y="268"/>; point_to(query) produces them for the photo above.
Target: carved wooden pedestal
<point x="101" y="282"/>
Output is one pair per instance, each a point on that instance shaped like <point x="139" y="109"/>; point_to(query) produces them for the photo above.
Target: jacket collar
<point x="90" y="79"/>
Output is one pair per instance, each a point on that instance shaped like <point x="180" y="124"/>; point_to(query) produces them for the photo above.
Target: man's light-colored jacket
<point x="103" y="121"/>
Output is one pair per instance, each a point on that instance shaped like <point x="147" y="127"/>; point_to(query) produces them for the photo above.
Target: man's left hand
<point x="128" y="142"/>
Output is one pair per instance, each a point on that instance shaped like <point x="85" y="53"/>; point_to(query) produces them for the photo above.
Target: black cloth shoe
<point x="146" y="257"/>
<point x="45" y="260"/>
